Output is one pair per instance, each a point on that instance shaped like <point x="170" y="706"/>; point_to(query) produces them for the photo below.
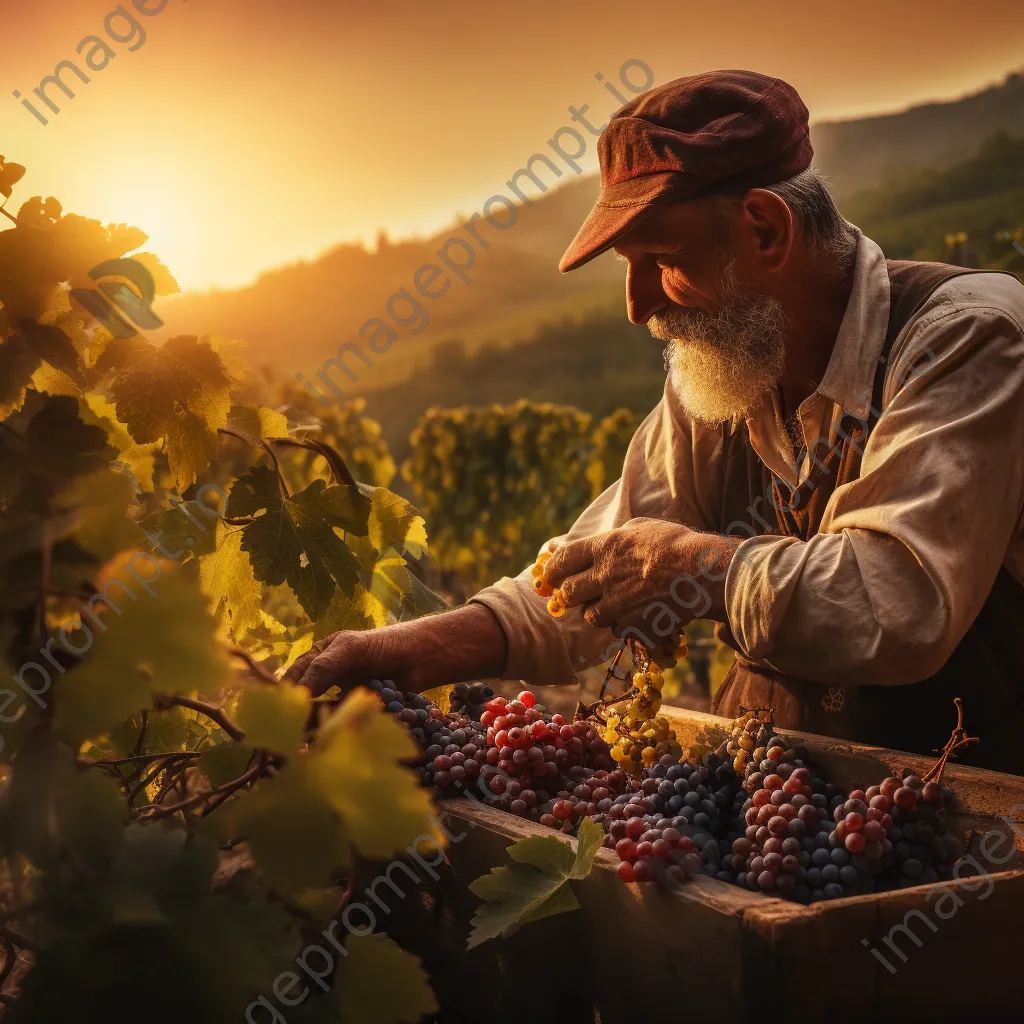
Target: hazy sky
<point x="246" y="133"/>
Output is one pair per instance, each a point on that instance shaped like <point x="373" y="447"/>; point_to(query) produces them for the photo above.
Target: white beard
<point x="721" y="364"/>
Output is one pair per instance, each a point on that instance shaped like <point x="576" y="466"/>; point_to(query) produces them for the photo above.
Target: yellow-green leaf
<point x="259" y="421"/>
<point x="179" y="392"/>
<point x="380" y="983"/>
<point x="226" y="574"/>
<point x="394" y="522"/>
<point x="535" y="885"/>
<point x="161" y="640"/>
<point x="357" y="757"/>
<point x="296" y="837"/>
<point x="224" y="762"/>
<point x="274" y="717"/>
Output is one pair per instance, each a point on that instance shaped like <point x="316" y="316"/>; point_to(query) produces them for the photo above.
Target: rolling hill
<point x="296" y="316"/>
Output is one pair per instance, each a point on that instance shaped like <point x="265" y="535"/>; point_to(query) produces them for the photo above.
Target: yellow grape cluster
<point x="556" y="602"/>
<point x="640" y="736"/>
<point x="743" y="744"/>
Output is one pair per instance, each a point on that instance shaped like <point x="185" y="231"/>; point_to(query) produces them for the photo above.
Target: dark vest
<point x="987" y="667"/>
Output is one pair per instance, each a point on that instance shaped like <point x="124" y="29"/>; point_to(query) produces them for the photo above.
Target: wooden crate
<point x="717" y="952"/>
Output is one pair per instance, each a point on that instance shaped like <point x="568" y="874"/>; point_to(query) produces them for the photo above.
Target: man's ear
<point x="769" y="222"/>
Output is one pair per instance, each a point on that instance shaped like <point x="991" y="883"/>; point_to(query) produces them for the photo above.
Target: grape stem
<point x="211" y="711"/>
<point x="89" y="762"/>
<point x="254" y="666"/>
<point x="956" y="741"/>
<point x="155" y="811"/>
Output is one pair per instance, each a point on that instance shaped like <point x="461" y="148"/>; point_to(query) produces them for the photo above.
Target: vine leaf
<point x="139" y="458"/>
<point x="394" y="522"/>
<point x="291" y="804"/>
<point x="179" y="393"/>
<point x="174" y="529"/>
<point x="10" y="174"/>
<point x="17" y="364"/>
<point x="224" y="762"/>
<point x="358" y="757"/>
<point x="163" y="280"/>
<point x="360" y="611"/>
<point x="148" y="644"/>
<point x="291" y="540"/>
<point x="47" y="445"/>
<point x="535" y="886"/>
<point x="225" y="574"/>
<point x="259" y="421"/>
<point x="274" y="717"/>
<point x="97" y="508"/>
<point x="380" y="983"/>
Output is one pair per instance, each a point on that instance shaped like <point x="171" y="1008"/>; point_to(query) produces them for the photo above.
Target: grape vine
<point x="174" y="531"/>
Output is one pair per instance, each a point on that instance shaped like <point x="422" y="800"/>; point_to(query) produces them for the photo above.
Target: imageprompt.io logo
<point x="137" y="308"/>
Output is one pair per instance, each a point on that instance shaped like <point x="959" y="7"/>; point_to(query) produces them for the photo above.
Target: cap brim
<point x="617" y="211"/>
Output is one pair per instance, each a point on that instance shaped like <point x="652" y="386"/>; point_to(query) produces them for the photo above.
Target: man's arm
<point x="907" y="553"/>
<point x="463" y="644"/>
<point x="505" y="631"/>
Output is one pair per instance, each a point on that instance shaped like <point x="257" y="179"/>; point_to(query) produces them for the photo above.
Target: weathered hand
<point x="642" y="571"/>
<point x="466" y="643"/>
<point x="344" y="658"/>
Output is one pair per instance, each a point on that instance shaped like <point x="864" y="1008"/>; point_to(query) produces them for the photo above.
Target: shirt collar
<point x="849" y="377"/>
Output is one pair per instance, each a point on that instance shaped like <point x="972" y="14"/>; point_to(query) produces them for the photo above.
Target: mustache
<point x="676" y="322"/>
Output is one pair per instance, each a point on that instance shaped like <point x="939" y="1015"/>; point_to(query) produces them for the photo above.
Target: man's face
<point x="686" y="281"/>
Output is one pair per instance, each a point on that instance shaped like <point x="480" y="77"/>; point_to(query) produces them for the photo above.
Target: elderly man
<point x="835" y="473"/>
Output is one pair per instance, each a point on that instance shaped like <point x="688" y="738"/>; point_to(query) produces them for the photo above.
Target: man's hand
<point x="464" y="644"/>
<point x="641" y="567"/>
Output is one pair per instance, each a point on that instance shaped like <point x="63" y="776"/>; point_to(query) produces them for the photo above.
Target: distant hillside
<point x="982" y="197"/>
<point x="598" y="364"/>
<point x="295" y="317"/>
<point x="861" y="153"/>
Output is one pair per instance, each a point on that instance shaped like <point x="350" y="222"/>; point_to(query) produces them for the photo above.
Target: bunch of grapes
<point x="741" y="746"/>
<point x="662" y="853"/>
<point x="593" y="792"/>
<point x="924" y="850"/>
<point x="556" y="602"/>
<point x="470" y="698"/>
<point x="455" y="752"/>
<point x="640" y="737"/>
<point x="412" y="709"/>
<point x="803" y="839"/>
<point x="693" y="800"/>
<point x="532" y="763"/>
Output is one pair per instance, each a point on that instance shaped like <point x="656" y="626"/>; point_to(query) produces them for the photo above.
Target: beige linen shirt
<point x="906" y="554"/>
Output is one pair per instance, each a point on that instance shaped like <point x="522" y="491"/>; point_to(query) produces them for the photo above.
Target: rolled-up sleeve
<point x="908" y="552"/>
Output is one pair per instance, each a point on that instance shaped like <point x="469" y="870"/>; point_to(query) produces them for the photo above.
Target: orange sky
<point x="246" y="133"/>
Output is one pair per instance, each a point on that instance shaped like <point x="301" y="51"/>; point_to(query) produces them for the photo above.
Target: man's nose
<point x="644" y="295"/>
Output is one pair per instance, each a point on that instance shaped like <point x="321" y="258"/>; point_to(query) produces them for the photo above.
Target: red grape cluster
<point x="785" y="831"/>
<point x="664" y="853"/>
<point x="524" y="760"/>
<point x="789" y="847"/>
<point x="924" y="850"/>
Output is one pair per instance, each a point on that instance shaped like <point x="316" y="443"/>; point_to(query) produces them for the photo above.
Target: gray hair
<point x="817" y="216"/>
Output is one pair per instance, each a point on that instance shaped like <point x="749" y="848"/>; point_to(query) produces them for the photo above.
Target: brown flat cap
<point x="705" y="133"/>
